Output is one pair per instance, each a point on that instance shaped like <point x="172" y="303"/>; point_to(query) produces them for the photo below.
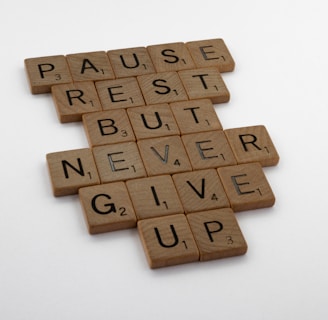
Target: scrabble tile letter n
<point x="71" y="170"/>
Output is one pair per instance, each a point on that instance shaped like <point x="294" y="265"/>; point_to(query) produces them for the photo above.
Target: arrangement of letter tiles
<point x="159" y="158"/>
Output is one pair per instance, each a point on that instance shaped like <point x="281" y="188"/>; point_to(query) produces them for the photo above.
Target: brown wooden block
<point x="208" y="150"/>
<point x="162" y="87"/>
<point x="131" y="62"/>
<point x="71" y="170"/>
<point x="154" y="197"/>
<point x="165" y="155"/>
<point x="90" y="66"/>
<point x="107" y="127"/>
<point x="217" y="234"/>
<point x="153" y="121"/>
<point x="246" y="187"/>
<point x="200" y="190"/>
<point x="72" y="100"/>
<point x="252" y="144"/>
<point x="205" y="83"/>
<point x="171" y="57"/>
<point x="195" y="116"/>
<point x="120" y="161"/>
<point x="107" y="207"/>
<point x="44" y="72"/>
<point x="168" y="241"/>
<point x="211" y="53"/>
<point x="119" y="93"/>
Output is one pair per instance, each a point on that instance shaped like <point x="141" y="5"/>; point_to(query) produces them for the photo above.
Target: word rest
<point x="158" y="157"/>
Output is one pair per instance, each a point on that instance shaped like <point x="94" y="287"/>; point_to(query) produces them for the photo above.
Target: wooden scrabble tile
<point x="246" y="187"/>
<point x="165" y="155"/>
<point x="154" y="197"/>
<point x="120" y="161"/>
<point x="252" y="144"/>
<point x="131" y="62"/>
<point x="44" y="72"/>
<point x="107" y="207"/>
<point x="107" y="127"/>
<point x="208" y="150"/>
<point x="167" y="241"/>
<point x="195" y="116"/>
<point x="217" y="234"/>
<point x="72" y="100"/>
<point x="200" y="190"/>
<point x="119" y="93"/>
<point x="90" y="66"/>
<point x="211" y="53"/>
<point x="162" y="87"/>
<point x="153" y="121"/>
<point x="171" y="57"/>
<point x="205" y="83"/>
<point x="71" y="170"/>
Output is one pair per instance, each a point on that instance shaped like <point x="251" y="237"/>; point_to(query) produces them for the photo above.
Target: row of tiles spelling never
<point x="73" y="169"/>
<point x="44" y="72"/>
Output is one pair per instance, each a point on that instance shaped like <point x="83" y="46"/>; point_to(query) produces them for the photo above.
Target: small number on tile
<point x="229" y="240"/>
<point x="122" y="211"/>
<point x="177" y="162"/>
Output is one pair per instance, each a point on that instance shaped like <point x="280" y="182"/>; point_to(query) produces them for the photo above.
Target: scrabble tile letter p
<point x="45" y="72"/>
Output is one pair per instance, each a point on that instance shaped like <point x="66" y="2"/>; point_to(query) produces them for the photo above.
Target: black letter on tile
<point x="130" y="67"/>
<point x="176" y="239"/>
<point x="78" y="96"/>
<point x="111" y="206"/>
<point x="155" y="84"/>
<point x="236" y="184"/>
<point x="201" y="77"/>
<point x="79" y="170"/>
<point x="175" y="60"/>
<point x="193" y="113"/>
<point x="111" y="125"/>
<point x="209" y="232"/>
<point x="42" y="70"/>
<point x="90" y="66"/>
<point x="252" y="141"/>
<point x="158" y="120"/>
<point x="200" y="194"/>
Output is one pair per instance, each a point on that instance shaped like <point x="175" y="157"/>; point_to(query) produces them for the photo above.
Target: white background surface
<point x="51" y="268"/>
